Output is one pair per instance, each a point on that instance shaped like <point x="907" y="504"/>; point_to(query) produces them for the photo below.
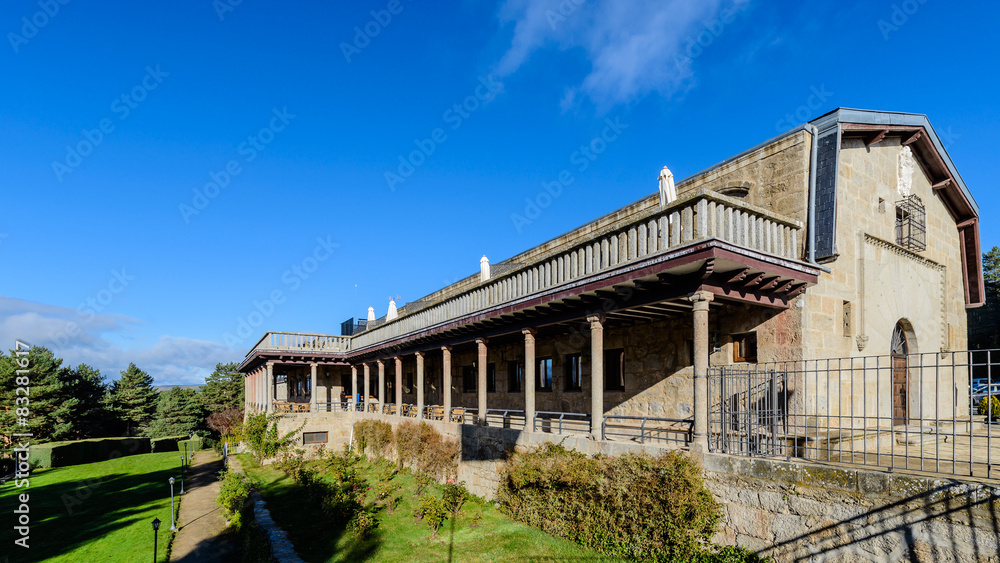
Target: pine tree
<point x="223" y="389"/>
<point x="179" y="413"/>
<point x="81" y="411"/>
<point x="133" y="399"/>
<point x="34" y="391"/>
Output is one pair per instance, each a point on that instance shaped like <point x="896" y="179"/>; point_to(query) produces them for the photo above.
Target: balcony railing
<point x="301" y="341"/>
<point x="701" y="215"/>
<point x="698" y="216"/>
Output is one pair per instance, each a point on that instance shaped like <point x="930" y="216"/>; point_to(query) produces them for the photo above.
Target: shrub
<point x="260" y="435"/>
<point x="422" y="481"/>
<point x="168" y="444"/>
<point x="990" y="406"/>
<point x="422" y="448"/>
<point x="363" y="523"/>
<point x="631" y="506"/>
<point x="434" y="511"/>
<point x="454" y="495"/>
<point x="62" y="454"/>
<point x="233" y="493"/>
<point x="289" y="462"/>
<point x="373" y="437"/>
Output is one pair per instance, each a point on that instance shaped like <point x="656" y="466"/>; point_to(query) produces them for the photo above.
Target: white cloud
<point x="81" y="337"/>
<point x="634" y="48"/>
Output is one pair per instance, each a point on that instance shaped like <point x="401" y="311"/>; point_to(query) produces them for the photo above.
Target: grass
<point x="399" y="536"/>
<point x="95" y="512"/>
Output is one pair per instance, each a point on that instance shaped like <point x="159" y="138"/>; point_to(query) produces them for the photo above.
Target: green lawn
<point x="399" y="536"/>
<point x="107" y="520"/>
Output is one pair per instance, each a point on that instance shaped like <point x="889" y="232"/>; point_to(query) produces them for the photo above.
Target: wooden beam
<point x="740" y="276"/>
<point x="770" y="284"/>
<point x="784" y="286"/>
<point x="942" y="184"/>
<point x="878" y="137"/>
<point x="754" y="281"/>
<point x="912" y="138"/>
<point x="797" y="290"/>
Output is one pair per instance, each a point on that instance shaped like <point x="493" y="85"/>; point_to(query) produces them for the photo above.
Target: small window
<point x="848" y="313"/>
<point x="544" y="382"/>
<point x="514" y="377"/>
<point x="574" y="372"/>
<point x="469" y="379"/>
<point x="614" y="369"/>
<point x="491" y="378"/>
<point x="313" y="438"/>
<point x="745" y="347"/>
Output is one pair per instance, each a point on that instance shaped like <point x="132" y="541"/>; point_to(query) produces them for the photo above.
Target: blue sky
<point x="171" y="169"/>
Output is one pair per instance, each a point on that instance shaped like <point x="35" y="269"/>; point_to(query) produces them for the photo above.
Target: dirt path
<point x="201" y="521"/>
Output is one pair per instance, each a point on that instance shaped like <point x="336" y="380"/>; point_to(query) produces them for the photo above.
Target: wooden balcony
<point x="698" y="216"/>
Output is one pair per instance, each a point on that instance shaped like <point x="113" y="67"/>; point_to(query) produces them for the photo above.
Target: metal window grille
<point x="911" y="223"/>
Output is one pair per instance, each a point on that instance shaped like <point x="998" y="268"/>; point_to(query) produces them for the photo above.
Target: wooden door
<point x="899" y="378"/>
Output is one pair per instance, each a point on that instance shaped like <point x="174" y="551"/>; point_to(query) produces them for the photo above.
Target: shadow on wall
<point x="487" y="443"/>
<point x="951" y="522"/>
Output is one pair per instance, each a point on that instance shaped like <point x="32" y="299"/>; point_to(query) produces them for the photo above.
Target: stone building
<point x="850" y="236"/>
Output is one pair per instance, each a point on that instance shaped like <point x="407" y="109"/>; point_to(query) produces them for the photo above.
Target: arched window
<point x="899" y="344"/>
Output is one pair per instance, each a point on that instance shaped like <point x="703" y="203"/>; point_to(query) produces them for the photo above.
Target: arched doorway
<point x="899" y="349"/>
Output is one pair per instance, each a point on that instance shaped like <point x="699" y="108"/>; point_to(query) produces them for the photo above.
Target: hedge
<point x="168" y="444"/>
<point x="62" y="454"/>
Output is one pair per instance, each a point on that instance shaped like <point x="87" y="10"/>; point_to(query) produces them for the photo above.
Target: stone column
<point x="481" y="387"/>
<point x="399" y="386"/>
<point x="420" y="385"/>
<point x="354" y="386"/>
<point x="446" y="383"/>
<point x="269" y="387"/>
<point x="700" y="301"/>
<point x="529" y="379"/>
<point x="368" y="384"/>
<point x="312" y="387"/>
<point x="381" y="385"/>
<point x="596" y="376"/>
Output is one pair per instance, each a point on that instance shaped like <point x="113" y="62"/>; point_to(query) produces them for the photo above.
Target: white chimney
<point x="484" y="268"/>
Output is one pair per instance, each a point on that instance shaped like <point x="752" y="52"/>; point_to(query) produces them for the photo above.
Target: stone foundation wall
<point x="789" y="511"/>
<point x="795" y="512"/>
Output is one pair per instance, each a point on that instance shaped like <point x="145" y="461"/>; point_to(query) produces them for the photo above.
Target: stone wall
<point x="790" y="511"/>
<point x="793" y="511"/>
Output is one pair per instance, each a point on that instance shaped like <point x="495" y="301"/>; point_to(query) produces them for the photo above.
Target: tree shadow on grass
<point x="315" y="536"/>
<point x="66" y="516"/>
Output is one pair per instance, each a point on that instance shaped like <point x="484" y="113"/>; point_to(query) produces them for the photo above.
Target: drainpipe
<point x="811" y="240"/>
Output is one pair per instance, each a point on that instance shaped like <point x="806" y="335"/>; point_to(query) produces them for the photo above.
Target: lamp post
<point x="186" y="449"/>
<point x="156" y="533"/>
<point x="182" y="475"/>
<point x="173" y="526"/>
